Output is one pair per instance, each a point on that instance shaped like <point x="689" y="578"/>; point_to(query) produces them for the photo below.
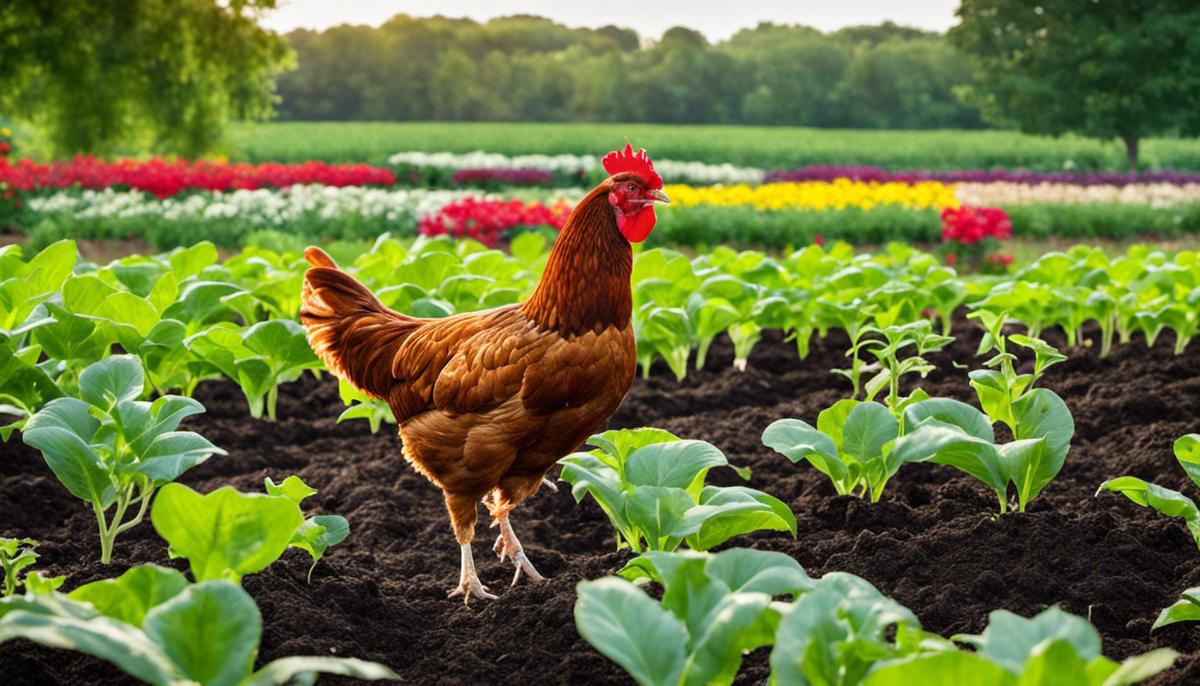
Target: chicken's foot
<point x="468" y="580"/>
<point x="508" y="546"/>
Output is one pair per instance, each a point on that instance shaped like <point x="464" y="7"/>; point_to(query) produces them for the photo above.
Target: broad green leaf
<point x="953" y="412"/>
<point x="944" y="668"/>
<point x="942" y="443"/>
<point x="210" y="631"/>
<point x="730" y="511"/>
<point x="57" y="622"/>
<point x="1040" y="413"/>
<point x="621" y="443"/>
<point x="1139" y="668"/>
<point x="318" y="534"/>
<point x="288" y="670"/>
<point x="1186" y="609"/>
<point x="1164" y="500"/>
<point x="1053" y="662"/>
<point x="758" y="571"/>
<point x="869" y="426"/>
<point x="130" y="596"/>
<point x="1010" y="640"/>
<point x="797" y="440"/>
<point x="292" y="488"/>
<point x="993" y="393"/>
<point x="1029" y="465"/>
<point x="1187" y="452"/>
<point x="675" y="464"/>
<point x="71" y="459"/>
<point x="735" y="627"/>
<point x="836" y="632"/>
<point x="110" y="381"/>
<point x="224" y="534"/>
<point x="173" y="453"/>
<point x="658" y="512"/>
<point x="629" y="628"/>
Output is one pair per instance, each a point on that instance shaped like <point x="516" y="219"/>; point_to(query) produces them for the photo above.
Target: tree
<point x="1108" y="68"/>
<point x="94" y="75"/>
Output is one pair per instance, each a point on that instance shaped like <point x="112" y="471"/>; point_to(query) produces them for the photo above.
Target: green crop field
<point x="773" y="147"/>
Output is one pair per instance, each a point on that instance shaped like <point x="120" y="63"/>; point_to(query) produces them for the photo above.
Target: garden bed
<point x="931" y="543"/>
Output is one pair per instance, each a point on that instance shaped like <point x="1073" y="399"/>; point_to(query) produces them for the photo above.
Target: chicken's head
<point x="633" y="189"/>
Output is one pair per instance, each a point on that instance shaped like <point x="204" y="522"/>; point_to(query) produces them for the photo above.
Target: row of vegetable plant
<point x="188" y="317"/>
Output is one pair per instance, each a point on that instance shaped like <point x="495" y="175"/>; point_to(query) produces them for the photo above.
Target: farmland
<point x="771" y="147"/>
<point x="729" y="345"/>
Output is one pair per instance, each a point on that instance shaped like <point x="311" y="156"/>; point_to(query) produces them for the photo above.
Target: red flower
<point x="163" y="178"/>
<point x="969" y="225"/>
<point x="819" y="239"/>
<point x="951" y="259"/>
<point x="486" y="220"/>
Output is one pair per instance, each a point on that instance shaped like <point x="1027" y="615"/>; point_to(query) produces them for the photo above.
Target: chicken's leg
<point x="508" y="546"/>
<point x="468" y="580"/>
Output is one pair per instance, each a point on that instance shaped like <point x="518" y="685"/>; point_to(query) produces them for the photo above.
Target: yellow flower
<point x="5" y="133"/>
<point x="818" y="195"/>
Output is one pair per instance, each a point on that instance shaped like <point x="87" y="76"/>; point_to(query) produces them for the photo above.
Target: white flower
<point x="671" y="170"/>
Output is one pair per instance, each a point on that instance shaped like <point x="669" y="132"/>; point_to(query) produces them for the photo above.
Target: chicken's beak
<point x="659" y="196"/>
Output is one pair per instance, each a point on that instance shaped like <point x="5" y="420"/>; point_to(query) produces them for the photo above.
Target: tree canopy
<point x="526" y="68"/>
<point x="93" y="75"/>
<point x="1119" y="68"/>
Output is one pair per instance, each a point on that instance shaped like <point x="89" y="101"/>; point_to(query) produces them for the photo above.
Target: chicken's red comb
<point x="639" y="163"/>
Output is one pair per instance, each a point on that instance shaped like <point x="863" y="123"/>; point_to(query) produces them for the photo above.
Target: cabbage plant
<point x="651" y="485"/>
<point x="153" y="625"/>
<point x="1173" y="504"/>
<point x="112" y="450"/>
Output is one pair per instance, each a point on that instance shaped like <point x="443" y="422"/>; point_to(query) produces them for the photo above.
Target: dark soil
<point x="931" y="543"/>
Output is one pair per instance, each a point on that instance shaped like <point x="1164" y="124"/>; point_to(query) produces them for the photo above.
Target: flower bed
<point x="821" y="172"/>
<point x="163" y="179"/>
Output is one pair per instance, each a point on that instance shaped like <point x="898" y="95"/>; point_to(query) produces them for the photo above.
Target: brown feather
<point x="488" y="401"/>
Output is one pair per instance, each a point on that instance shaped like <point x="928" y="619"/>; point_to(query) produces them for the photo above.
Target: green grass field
<point x="770" y="147"/>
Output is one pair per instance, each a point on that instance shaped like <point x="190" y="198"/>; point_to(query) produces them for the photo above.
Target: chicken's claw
<point x="507" y="545"/>
<point x="550" y="484"/>
<point x="468" y="580"/>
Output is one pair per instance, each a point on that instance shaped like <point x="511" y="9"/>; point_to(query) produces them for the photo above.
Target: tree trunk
<point x="1131" y="152"/>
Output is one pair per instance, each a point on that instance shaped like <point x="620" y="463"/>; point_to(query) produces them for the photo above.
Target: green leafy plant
<point x="901" y="352"/>
<point x="851" y="444"/>
<point x="151" y="624"/>
<point x="362" y="406"/>
<point x="1173" y="504"/>
<point x="714" y="608"/>
<point x="651" y="485"/>
<point x="225" y="534"/>
<point x="318" y="532"/>
<point x="1051" y="648"/>
<point x="667" y="333"/>
<point x="114" y="451"/>
<point x="258" y="358"/>
<point x="852" y="317"/>
<point x="838" y="630"/>
<point x="950" y="432"/>
<point x="16" y="554"/>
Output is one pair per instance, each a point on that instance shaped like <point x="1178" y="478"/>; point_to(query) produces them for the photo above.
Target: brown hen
<point x="487" y="402"/>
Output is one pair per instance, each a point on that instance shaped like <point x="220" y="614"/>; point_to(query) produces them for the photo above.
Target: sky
<point x="716" y="20"/>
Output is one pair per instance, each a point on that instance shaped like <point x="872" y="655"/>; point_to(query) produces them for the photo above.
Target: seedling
<point x="1173" y="504"/>
<point x="151" y="624"/>
<point x="651" y="485"/>
<point x="112" y="450"/>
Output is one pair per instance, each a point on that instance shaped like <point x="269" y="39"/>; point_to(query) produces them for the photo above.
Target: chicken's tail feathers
<point x="355" y="334"/>
<point x="319" y="258"/>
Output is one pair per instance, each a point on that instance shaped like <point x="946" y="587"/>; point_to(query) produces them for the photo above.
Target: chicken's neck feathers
<point x="585" y="286"/>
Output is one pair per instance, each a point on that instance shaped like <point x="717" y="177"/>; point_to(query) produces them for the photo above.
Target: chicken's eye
<point x="630" y="187"/>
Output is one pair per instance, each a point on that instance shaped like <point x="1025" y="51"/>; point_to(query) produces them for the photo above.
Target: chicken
<point x="487" y="402"/>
